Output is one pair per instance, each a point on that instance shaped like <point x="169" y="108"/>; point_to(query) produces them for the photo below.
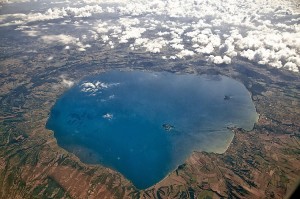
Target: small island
<point x="227" y="97"/>
<point x="168" y="127"/>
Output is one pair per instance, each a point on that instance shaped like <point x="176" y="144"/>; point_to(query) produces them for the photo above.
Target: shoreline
<point x="72" y="163"/>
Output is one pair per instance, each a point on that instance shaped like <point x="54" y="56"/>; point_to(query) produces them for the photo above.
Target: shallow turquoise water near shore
<point x="144" y="124"/>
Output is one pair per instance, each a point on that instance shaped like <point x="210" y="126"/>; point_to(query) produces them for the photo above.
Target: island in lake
<point x="168" y="127"/>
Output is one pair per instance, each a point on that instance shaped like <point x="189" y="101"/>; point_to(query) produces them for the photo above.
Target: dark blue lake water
<point x="144" y="124"/>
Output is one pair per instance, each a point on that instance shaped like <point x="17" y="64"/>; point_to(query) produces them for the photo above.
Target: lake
<point x="145" y="124"/>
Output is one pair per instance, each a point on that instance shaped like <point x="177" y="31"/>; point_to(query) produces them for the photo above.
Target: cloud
<point x="215" y="40"/>
<point x="85" y="11"/>
<point x="275" y="54"/>
<point x="228" y="48"/>
<point x="153" y="46"/>
<point x="185" y="53"/>
<point x="90" y="87"/>
<point x="163" y="33"/>
<point x="13" y="1"/>
<point x="131" y="33"/>
<point x="61" y="39"/>
<point x="178" y="46"/>
<point x="105" y="38"/>
<point x="11" y="19"/>
<point x="249" y="42"/>
<point x="291" y="66"/>
<point x="201" y="39"/>
<point x="52" y="13"/>
<point x="215" y="59"/>
<point x="219" y="60"/>
<point x="101" y="27"/>
<point x="108" y="116"/>
<point x="294" y="59"/>
<point x="249" y="54"/>
<point x="66" y="82"/>
<point x="264" y="32"/>
<point x="128" y="22"/>
<point x="208" y="49"/>
<point x="141" y="41"/>
<point x="226" y="60"/>
<point x="32" y="33"/>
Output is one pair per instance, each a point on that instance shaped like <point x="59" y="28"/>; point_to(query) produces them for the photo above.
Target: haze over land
<point x="264" y="32"/>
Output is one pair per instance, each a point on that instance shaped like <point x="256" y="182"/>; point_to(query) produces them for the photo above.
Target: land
<point x="261" y="163"/>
